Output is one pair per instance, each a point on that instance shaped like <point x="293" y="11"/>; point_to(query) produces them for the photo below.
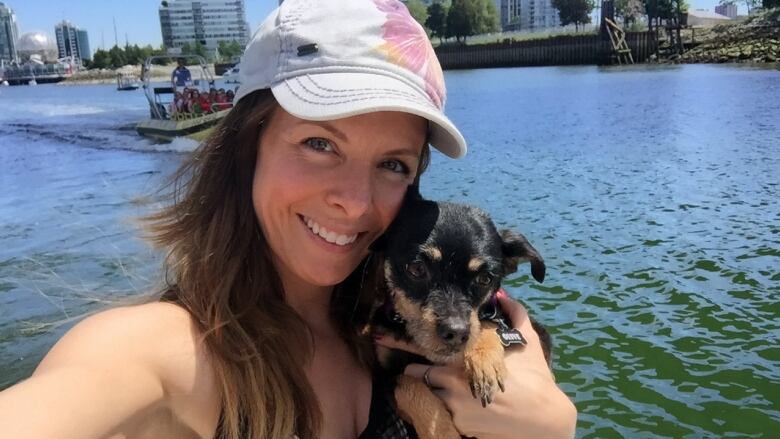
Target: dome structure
<point x="37" y="43"/>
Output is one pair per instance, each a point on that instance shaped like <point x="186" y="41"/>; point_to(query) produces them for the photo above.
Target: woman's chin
<point x="329" y="278"/>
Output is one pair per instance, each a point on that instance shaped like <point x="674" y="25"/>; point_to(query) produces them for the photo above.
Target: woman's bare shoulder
<point x="159" y="339"/>
<point x="150" y="333"/>
<point x="136" y="371"/>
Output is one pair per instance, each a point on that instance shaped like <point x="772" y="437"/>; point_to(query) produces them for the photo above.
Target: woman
<point x="268" y="240"/>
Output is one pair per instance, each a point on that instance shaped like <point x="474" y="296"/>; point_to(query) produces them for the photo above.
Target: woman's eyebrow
<point x="333" y="130"/>
<point x="404" y="151"/>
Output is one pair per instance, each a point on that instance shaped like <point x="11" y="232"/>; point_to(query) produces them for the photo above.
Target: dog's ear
<point x="516" y="249"/>
<point x="412" y="196"/>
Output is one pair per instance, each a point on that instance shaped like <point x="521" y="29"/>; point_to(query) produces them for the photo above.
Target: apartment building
<point x="205" y="21"/>
<point x="72" y="41"/>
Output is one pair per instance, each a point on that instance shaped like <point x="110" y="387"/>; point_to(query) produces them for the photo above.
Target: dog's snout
<point x="454" y="332"/>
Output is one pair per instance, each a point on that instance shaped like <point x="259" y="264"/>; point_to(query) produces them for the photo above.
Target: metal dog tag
<point x="507" y="335"/>
<point x="510" y="336"/>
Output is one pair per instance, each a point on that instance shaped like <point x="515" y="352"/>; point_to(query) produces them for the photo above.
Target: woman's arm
<point x="106" y="375"/>
<point x="532" y="406"/>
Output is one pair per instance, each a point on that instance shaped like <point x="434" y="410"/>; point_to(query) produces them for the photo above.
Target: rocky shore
<point x="756" y="39"/>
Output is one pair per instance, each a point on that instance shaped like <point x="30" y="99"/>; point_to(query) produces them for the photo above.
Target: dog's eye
<point x="416" y="269"/>
<point x="484" y="279"/>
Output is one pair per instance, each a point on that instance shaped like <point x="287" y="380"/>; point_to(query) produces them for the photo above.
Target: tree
<point x="663" y="10"/>
<point x="629" y="10"/>
<point x="229" y="50"/>
<point x="574" y="11"/>
<point x="470" y="17"/>
<point x="751" y="4"/>
<point x="417" y="10"/>
<point x="100" y="60"/>
<point x="458" y="23"/>
<point x="200" y="49"/>
<point x="437" y="20"/>
<point x="134" y="55"/>
<point x="487" y="18"/>
<point x="117" y="56"/>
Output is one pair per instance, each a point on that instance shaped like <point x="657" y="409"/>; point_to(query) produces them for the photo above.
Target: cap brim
<point x="335" y="95"/>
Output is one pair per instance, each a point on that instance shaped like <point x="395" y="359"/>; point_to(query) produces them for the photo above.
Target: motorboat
<point x="127" y="81"/>
<point x="231" y="76"/>
<point x="166" y="120"/>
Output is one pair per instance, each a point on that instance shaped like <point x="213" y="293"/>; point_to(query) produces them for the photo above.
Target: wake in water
<point x="88" y="116"/>
<point x="100" y="137"/>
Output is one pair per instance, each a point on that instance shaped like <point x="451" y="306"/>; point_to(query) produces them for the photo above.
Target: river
<point x="651" y="192"/>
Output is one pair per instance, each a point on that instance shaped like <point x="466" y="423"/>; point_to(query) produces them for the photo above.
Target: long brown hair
<point x="218" y="267"/>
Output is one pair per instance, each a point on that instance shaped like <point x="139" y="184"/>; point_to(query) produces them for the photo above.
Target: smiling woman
<point x="267" y="236"/>
<point x="325" y="191"/>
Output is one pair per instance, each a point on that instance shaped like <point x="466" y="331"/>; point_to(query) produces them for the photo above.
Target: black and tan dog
<point x="443" y="264"/>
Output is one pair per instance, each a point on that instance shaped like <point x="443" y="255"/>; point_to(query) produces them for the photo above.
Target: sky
<point x="138" y="19"/>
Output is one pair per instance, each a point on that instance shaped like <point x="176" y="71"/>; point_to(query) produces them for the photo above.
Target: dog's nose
<point x="454" y="332"/>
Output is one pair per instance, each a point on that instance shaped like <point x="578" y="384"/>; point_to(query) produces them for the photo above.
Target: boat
<point x="231" y="76"/>
<point x="164" y="123"/>
<point x="127" y="81"/>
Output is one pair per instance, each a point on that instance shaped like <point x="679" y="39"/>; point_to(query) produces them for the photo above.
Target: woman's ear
<point x="517" y="249"/>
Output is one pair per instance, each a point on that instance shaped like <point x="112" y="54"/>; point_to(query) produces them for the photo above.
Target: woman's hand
<point x="532" y="405"/>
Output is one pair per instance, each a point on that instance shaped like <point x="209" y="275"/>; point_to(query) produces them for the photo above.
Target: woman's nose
<point x="352" y="193"/>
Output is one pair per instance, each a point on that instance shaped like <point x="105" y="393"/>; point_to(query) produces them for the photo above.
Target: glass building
<point x="72" y="41"/>
<point x="9" y="35"/>
<point x="206" y="22"/>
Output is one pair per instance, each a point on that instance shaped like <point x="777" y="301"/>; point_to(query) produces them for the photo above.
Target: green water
<point x="652" y="193"/>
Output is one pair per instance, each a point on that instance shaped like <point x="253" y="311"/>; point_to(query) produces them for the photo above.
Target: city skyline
<point x="140" y="23"/>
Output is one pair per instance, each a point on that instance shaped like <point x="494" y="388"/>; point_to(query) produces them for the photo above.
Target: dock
<point x="41" y="73"/>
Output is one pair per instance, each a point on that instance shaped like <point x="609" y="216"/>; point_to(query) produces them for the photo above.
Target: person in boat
<point x="181" y="76"/>
<point x="177" y="104"/>
<point x="221" y="100"/>
<point x="253" y="334"/>
<point x="206" y="103"/>
<point x="195" y="102"/>
<point x="230" y="95"/>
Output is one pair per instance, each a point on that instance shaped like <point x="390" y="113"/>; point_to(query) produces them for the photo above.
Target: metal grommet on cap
<point x="307" y="49"/>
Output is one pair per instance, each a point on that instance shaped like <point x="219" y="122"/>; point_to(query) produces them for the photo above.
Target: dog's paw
<point x="485" y="369"/>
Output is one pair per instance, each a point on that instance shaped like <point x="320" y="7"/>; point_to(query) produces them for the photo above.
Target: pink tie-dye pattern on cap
<point x="407" y="45"/>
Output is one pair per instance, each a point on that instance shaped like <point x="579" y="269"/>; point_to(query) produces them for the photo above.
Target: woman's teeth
<point x="330" y="236"/>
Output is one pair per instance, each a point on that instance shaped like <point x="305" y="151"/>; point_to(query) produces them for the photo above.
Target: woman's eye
<point x="396" y="166"/>
<point x="416" y="269"/>
<point x="484" y="279"/>
<point x="319" y="144"/>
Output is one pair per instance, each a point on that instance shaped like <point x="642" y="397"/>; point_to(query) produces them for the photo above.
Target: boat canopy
<point x="161" y="96"/>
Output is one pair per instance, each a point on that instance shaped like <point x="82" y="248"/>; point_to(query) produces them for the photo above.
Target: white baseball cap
<point x="330" y="59"/>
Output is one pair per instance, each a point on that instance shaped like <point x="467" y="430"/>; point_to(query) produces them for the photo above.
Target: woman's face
<point x="323" y="191"/>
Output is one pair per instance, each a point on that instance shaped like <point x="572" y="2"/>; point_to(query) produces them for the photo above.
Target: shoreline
<point x="755" y="40"/>
<point x="108" y="76"/>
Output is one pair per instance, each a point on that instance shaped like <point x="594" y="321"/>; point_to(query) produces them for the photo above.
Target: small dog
<point x="443" y="264"/>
